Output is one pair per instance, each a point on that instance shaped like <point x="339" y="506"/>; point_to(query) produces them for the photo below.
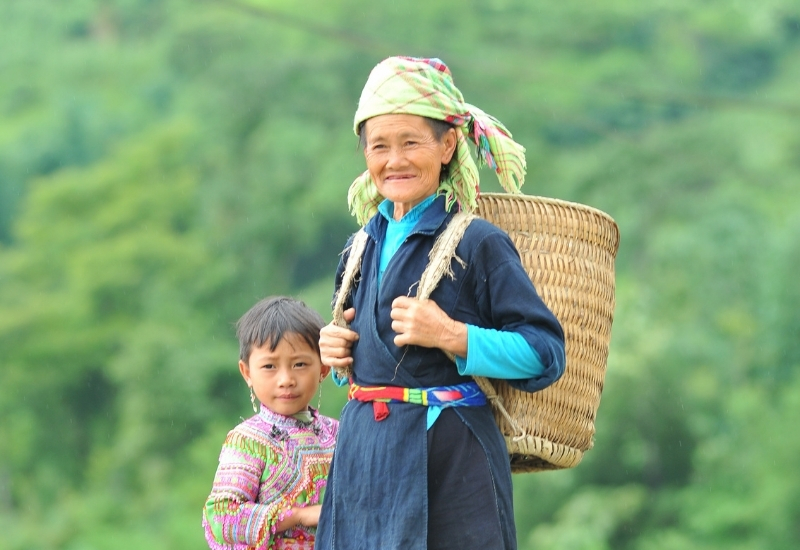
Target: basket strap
<point x="442" y="254"/>
<point x="440" y="260"/>
<point x="497" y="402"/>
<point x="351" y="271"/>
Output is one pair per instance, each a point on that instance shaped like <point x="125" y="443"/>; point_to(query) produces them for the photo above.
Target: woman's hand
<point x="336" y="343"/>
<point x="423" y="323"/>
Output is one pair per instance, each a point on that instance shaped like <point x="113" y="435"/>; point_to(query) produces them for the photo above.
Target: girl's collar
<point x="302" y="418"/>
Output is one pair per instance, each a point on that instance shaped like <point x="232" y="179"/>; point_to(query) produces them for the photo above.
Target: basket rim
<point x="556" y="202"/>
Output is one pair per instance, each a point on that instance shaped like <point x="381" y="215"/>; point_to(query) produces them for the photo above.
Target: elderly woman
<point x="413" y="473"/>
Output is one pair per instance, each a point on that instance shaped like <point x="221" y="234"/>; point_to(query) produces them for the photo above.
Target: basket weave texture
<point x="568" y="250"/>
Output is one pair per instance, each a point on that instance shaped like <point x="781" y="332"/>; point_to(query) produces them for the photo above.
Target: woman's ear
<point x="449" y="140"/>
<point x="244" y="369"/>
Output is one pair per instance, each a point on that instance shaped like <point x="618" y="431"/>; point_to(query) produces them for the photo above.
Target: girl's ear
<point x="324" y="372"/>
<point x="244" y="368"/>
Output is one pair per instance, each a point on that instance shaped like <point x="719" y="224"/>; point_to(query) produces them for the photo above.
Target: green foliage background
<point x="165" y="163"/>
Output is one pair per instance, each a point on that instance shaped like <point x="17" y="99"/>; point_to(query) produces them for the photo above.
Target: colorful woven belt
<point x="467" y="394"/>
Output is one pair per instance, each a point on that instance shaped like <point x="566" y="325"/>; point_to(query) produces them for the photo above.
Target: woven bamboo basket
<point x="568" y="250"/>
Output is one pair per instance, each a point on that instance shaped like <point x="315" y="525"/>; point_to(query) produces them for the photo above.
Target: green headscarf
<point x="424" y="87"/>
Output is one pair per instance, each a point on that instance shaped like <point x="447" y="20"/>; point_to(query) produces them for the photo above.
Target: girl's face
<point x="404" y="158"/>
<point x="284" y="379"/>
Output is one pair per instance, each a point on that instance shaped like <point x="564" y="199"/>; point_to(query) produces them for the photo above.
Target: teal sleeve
<point x="498" y="354"/>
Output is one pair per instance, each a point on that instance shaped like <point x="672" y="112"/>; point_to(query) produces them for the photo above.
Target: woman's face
<point x="404" y="158"/>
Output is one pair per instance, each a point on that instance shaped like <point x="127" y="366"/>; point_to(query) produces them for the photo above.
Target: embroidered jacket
<point x="268" y="464"/>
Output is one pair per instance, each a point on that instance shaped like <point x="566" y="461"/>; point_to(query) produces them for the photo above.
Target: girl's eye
<point x="300" y="365"/>
<point x="268" y="367"/>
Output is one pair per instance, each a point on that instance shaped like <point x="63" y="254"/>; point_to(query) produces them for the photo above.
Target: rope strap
<point x="351" y="270"/>
<point x="440" y="260"/>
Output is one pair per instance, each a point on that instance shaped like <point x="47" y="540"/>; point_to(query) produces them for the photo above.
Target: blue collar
<point x="386" y="208"/>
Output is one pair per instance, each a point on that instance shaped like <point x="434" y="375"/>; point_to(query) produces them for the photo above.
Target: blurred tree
<point x="163" y="164"/>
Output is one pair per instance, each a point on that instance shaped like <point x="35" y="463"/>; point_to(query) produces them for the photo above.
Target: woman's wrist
<point x="455" y="338"/>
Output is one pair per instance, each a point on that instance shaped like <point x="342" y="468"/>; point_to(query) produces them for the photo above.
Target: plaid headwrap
<point x="424" y="87"/>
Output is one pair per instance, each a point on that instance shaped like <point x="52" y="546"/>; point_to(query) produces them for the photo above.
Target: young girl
<point x="273" y="467"/>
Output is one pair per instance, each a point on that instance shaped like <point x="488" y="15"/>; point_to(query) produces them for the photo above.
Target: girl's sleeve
<point x="232" y="517"/>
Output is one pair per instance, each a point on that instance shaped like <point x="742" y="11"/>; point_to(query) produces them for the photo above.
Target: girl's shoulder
<point x="248" y="441"/>
<point x="327" y="420"/>
<point x="242" y="427"/>
<point x="249" y="428"/>
<point x="259" y="431"/>
<point x="249" y="424"/>
<point x="328" y="424"/>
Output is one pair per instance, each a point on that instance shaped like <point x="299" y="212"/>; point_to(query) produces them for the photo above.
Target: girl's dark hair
<point x="439" y="127"/>
<point x="272" y="318"/>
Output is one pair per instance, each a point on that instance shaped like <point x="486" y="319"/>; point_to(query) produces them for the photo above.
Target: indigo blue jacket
<point x="377" y="495"/>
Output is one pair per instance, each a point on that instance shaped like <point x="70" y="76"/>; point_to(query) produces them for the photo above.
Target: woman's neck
<point x="401" y="210"/>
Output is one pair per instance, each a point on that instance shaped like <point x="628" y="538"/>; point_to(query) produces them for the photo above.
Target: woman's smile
<point x="399" y="178"/>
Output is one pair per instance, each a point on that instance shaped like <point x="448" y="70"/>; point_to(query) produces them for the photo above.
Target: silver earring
<point x="253" y="399"/>
<point x="319" y="400"/>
